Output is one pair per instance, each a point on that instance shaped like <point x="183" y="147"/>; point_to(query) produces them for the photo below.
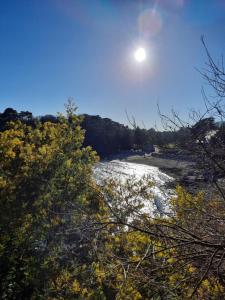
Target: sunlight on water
<point x="123" y="170"/>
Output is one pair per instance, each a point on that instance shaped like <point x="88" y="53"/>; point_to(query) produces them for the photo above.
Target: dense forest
<point x="105" y="136"/>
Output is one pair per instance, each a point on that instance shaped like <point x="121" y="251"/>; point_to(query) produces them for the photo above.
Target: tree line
<point x="64" y="237"/>
<point x="104" y="135"/>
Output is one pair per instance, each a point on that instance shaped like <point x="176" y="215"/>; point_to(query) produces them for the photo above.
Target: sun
<point x="140" y="55"/>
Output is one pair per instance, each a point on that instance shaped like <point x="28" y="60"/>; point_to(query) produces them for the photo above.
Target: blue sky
<point x="54" y="49"/>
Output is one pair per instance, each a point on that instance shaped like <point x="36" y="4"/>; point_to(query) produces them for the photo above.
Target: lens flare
<point x="149" y="23"/>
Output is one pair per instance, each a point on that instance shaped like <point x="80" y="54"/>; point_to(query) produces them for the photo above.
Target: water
<point x="121" y="170"/>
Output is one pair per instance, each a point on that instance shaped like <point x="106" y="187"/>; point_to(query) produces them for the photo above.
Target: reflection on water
<point x="124" y="170"/>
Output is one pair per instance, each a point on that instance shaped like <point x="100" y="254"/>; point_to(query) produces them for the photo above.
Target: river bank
<point x="182" y="168"/>
<point x="176" y="165"/>
<point x="175" y="168"/>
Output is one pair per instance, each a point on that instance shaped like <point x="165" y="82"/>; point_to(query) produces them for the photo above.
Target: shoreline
<point x="181" y="168"/>
<point x="176" y="167"/>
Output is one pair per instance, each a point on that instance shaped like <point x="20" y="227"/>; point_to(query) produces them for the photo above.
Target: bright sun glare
<point x="140" y="55"/>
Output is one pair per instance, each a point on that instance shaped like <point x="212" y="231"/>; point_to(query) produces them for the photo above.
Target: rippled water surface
<point x="123" y="170"/>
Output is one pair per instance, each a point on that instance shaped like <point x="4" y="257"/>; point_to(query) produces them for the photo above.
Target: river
<point x="121" y="170"/>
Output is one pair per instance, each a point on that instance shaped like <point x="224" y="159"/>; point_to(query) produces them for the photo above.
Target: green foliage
<point x="45" y="184"/>
<point x="64" y="237"/>
<point x="175" y="257"/>
<point x="106" y="136"/>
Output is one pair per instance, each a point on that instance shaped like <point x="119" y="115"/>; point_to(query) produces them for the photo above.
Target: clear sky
<point x="54" y="49"/>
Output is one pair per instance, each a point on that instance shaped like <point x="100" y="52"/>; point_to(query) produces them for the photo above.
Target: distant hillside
<point x="107" y="136"/>
<point x="103" y="134"/>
